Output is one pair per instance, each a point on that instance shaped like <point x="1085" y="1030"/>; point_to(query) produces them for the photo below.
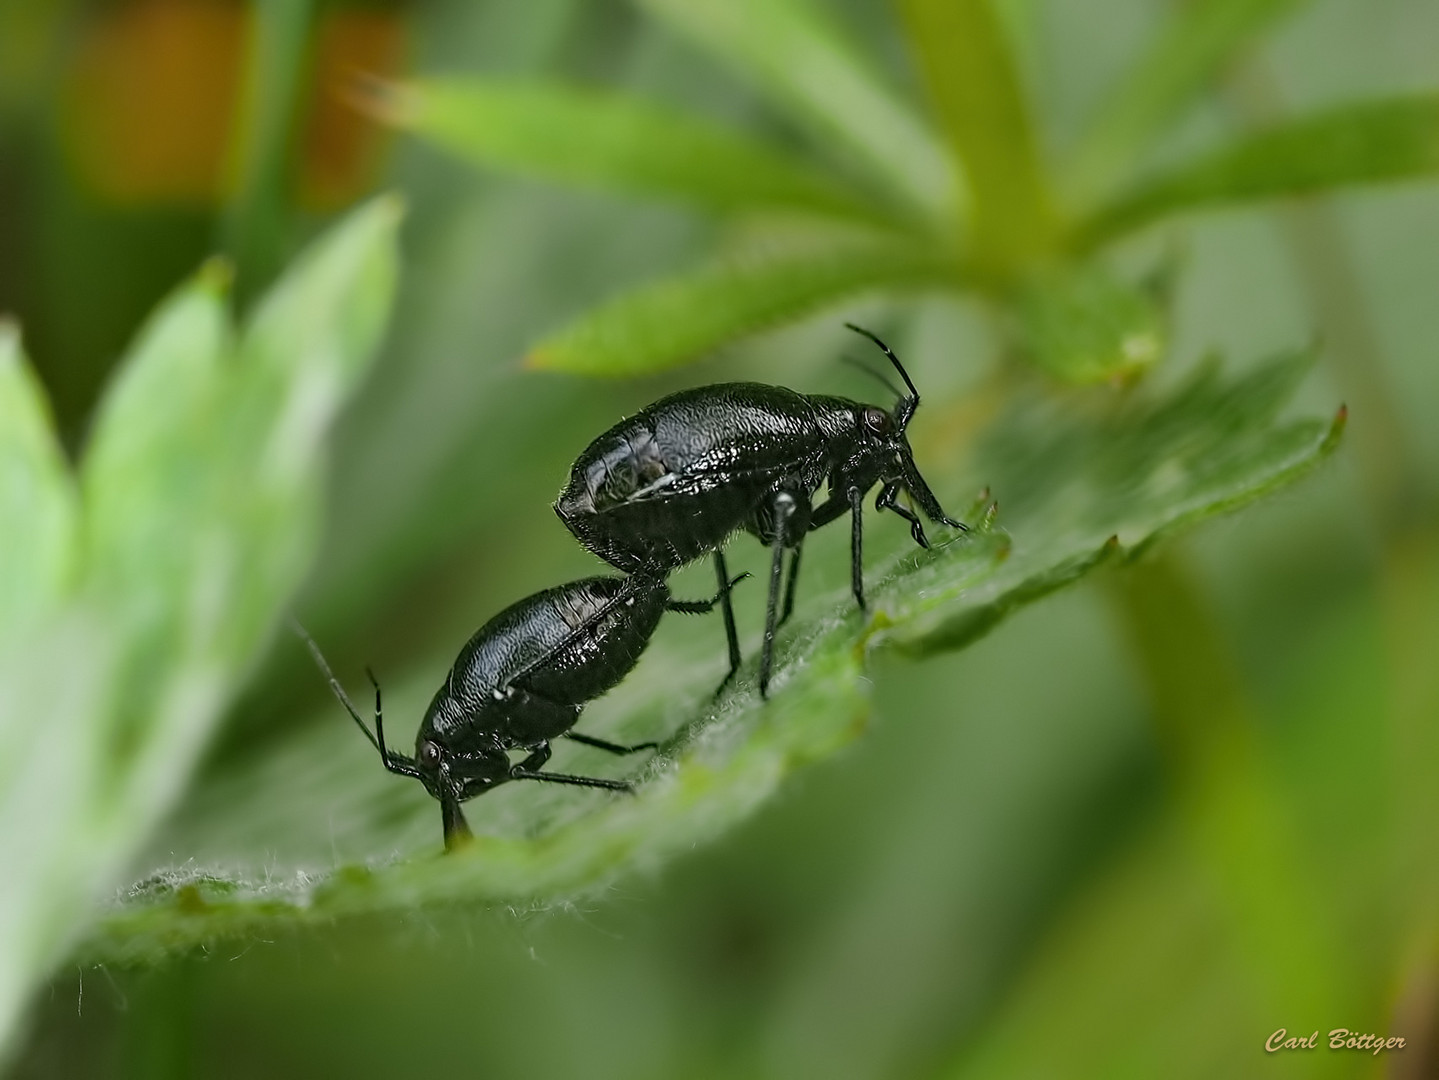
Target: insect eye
<point x="876" y="421"/>
<point x="429" y="754"/>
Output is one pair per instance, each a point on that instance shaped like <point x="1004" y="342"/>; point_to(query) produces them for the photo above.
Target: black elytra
<point x="522" y="680"/>
<point x="672" y="483"/>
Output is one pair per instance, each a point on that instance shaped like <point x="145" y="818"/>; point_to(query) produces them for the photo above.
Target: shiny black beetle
<point x="522" y="680"/>
<point x="671" y="483"/>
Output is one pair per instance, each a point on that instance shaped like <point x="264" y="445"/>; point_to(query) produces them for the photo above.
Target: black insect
<point x="671" y="483"/>
<point x="522" y="680"/>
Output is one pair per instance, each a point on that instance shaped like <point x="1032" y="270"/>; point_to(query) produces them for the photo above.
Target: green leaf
<point x="615" y="141"/>
<point x="152" y="486"/>
<point x="969" y="67"/>
<point x="150" y="456"/>
<point x="1085" y="325"/>
<point x="1198" y="40"/>
<point x="248" y="519"/>
<point x="331" y="307"/>
<point x="1369" y="143"/>
<point x="789" y="51"/>
<point x="677" y="319"/>
<point x="1081" y="487"/>
<point x="201" y="497"/>
<point x="41" y="752"/>
<point x="37" y="496"/>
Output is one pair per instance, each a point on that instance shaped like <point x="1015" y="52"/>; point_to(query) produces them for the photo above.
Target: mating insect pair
<point x="659" y="490"/>
<point x="522" y="680"/>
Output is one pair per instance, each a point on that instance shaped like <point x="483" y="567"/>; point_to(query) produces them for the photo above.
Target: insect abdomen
<point x="671" y="483"/>
<point x="612" y="622"/>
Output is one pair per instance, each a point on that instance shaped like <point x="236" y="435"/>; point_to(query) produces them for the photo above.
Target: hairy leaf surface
<point x="316" y="829"/>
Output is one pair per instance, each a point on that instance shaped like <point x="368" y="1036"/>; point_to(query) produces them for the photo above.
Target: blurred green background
<point x="1012" y="872"/>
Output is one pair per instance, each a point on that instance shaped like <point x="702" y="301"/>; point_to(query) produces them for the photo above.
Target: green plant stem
<point x="968" y="64"/>
<point x="252" y="230"/>
<point x="1402" y="507"/>
<point x="1206" y="728"/>
<point x="1410" y="593"/>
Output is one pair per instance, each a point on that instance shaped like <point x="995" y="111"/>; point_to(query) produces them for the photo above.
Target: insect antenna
<point x="873" y="375"/>
<point x="340" y="690"/>
<point x="907" y="405"/>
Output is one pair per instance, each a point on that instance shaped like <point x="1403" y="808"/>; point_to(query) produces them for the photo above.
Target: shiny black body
<point x="522" y="680"/>
<point x="663" y="487"/>
<point x="672" y="483"/>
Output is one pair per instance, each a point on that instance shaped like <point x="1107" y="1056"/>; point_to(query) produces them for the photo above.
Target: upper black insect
<point x="522" y="680"/>
<point x="671" y="483"/>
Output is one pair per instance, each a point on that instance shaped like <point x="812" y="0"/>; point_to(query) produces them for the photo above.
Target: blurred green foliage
<point x="1133" y="832"/>
<point x="143" y="588"/>
<point x="1010" y="230"/>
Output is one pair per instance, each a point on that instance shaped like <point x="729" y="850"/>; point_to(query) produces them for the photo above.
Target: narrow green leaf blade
<point x="968" y="65"/>
<point x="150" y="455"/>
<point x="1369" y="143"/>
<point x="678" y="319"/>
<point x="55" y="680"/>
<point x="332" y="305"/>
<point x="304" y="350"/>
<point x="310" y="833"/>
<point x="201" y="485"/>
<point x="1196" y="42"/>
<point x="37" y="496"/>
<point x="202" y="495"/>
<point x="615" y="141"/>
<point x="789" y="51"/>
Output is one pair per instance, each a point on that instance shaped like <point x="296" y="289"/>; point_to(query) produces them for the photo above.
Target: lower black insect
<point x="522" y="680"/>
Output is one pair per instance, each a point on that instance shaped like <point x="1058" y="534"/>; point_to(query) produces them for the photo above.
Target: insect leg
<point x="704" y="607"/>
<point x="529" y="769"/>
<point x="784" y="506"/>
<point x="518" y="773"/>
<point x="552" y="719"/>
<point x="829" y="510"/>
<point x="609" y="747"/>
<point x="856" y="545"/>
<point x="538" y="756"/>
<point x="885" y="500"/>
<point x="790" y="585"/>
<point x="731" y="634"/>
